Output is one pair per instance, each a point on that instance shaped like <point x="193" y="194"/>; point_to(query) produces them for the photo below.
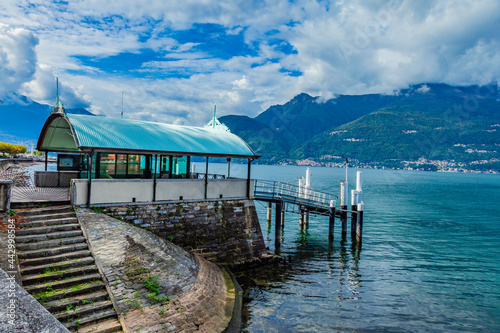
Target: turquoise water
<point x="429" y="261"/>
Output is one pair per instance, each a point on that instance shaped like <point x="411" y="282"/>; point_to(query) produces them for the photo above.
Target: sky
<point x="174" y="60"/>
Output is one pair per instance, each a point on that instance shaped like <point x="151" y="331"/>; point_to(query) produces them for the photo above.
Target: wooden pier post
<point x="301" y="217"/>
<point x="354" y="208"/>
<point x="269" y="212"/>
<point x="359" y="223"/>
<point x="277" y="229"/>
<point x="283" y="216"/>
<point x="343" y="207"/>
<point x="331" y="227"/>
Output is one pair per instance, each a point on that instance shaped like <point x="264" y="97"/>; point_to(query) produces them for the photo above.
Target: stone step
<point x="51" y="274"/>
<point x="79" y="262"/>
<point x="93" y="318"/>
<point x="49" y="216"/>
<point x="49" y="244"/>
<point x="67" y="283"/>
<point x="104" y="326"/>
<point x="47" y="223"/>
<point x="54" y="259"/>
<point x="42" y="237"/>
<point x="84" y="310"/>
<point x="47" y="230"/>
<point x="52" y="252"/>
<point x="78" y="300"/>
<point x="44" y="211"/>
<point x="85" y="288"/>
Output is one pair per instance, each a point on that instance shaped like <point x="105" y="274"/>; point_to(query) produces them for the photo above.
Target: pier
<point x="302" y="199"/>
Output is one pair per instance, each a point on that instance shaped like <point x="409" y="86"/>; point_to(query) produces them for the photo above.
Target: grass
<point x="47" y="293"/>
<point x="134" y="303"/>
<point x="70" y="308"/>
<point x="50" y="271"/>
<point x="97" y="210"/>
<point x="152" y="284"/>
<point x="84" y="285"/>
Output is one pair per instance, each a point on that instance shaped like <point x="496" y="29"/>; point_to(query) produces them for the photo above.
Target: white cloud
<point x="17" y="58"/>
<point x="341" y="47"/>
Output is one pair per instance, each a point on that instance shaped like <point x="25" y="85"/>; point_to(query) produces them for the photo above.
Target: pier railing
<point x="277" y="191"/>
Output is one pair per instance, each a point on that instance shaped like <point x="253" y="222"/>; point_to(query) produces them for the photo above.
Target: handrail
<point x="274" y="190"/>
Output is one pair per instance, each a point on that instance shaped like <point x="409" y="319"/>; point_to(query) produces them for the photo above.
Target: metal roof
<point x="77" y="133"/>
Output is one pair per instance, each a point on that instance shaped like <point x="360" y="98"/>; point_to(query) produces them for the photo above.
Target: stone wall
<point x="226" y="231"/>
<point x="5" y="189"/>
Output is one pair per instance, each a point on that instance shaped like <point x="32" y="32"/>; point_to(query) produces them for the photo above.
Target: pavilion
<point x="120" y="150"/>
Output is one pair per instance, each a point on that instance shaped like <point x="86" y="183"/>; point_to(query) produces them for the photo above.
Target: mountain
<point x="428" y="126"/>
<point x="22" y="119"/>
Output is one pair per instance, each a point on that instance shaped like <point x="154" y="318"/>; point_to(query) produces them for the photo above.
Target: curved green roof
<point x="76" y="133"/>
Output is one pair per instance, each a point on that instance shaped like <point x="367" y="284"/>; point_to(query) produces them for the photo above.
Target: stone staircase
<point x="58" y="269"/>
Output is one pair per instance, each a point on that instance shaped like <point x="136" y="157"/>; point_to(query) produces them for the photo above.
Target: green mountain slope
<point x="434" y="124"/>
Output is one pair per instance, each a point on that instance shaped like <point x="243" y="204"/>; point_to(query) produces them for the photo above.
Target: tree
<point x="7" y="148"/>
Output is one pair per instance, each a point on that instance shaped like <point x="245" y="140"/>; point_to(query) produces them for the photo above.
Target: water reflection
<point x="275" y="294"/>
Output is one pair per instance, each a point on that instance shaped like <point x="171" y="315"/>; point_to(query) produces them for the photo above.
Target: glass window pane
<point x="121" y="166"/>
<point x="107" y="165"/>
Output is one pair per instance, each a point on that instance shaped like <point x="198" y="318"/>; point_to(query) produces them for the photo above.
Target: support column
<point x="154" y="176"/>
<point x="354" y="208"/>
<point x="228" y="167"/>
<point x="248" y="177"/>
<point x="301" y="217"/>
<point x="188" y="167"/>
<point x="277" y="229"/>
<point x="46" y="159"/>
<point x="89" y="188"/>
<point x="331" y="226"/>
<point x="206" y="178"/>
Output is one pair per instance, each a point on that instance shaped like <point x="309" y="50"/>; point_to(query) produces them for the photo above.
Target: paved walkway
<point x="191" y="293"/>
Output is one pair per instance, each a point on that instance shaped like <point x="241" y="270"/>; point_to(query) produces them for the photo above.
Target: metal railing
<point x="210" y="176"/>
<point x="273" y="190"/>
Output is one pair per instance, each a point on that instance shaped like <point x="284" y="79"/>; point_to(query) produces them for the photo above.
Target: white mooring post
<point x="359" y="186"/>
<point x="359" y="222"/>
<point x="307" y="187"/>
<point x="357" y="203"/>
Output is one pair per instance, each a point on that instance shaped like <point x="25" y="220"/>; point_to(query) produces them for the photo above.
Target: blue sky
<point x="174" y="60"/>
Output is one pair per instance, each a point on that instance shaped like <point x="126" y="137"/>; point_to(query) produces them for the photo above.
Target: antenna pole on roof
<point x="122" y="107"/>
<point x="215" y="110"/>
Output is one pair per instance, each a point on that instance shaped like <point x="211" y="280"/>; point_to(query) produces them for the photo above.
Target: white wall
<point x="109" y="191"/>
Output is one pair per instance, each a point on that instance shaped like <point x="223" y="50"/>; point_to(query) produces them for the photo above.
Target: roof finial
<point x="58" y="108"/>
<point x="215" y="110"/>
<point x="122" y="107"/>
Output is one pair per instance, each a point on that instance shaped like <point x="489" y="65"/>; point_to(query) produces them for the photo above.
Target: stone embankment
<point x="156" y="285"/>
<point x="224" y="231"/>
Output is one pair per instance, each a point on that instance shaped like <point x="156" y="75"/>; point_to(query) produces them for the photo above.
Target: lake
<point x="429" y="261"/>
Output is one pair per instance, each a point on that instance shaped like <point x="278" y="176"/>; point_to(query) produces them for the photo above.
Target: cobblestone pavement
<point x="157" y="286"/>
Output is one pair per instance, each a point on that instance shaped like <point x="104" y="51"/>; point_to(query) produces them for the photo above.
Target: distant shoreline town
<point x="420" y="165"/>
